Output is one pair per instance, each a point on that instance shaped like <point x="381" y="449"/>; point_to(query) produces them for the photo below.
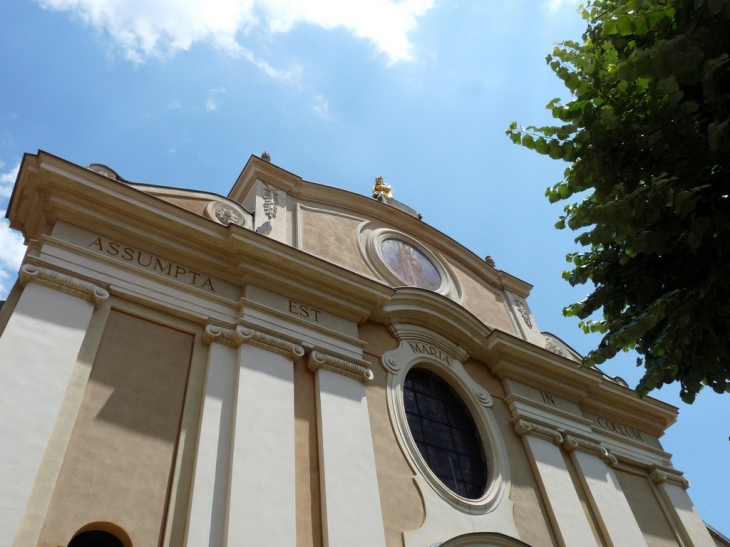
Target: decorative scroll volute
<point x="523" y="427"/>
<point x="659" y="476"/>
<point x="318" y="360"/>
<point x="571" y="443"/>
<point x="246" y="335"/>
<point x="62" y="282"/>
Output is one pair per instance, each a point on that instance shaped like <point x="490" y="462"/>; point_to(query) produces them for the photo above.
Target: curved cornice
<point x="435" y="312"/>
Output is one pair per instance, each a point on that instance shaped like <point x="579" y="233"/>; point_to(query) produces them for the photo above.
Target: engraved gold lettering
<point x="113" y="246"/>
<point x="316" y="315"/>
<point x="195" y="276"/>
<point x="179" y="270"/>
<point x="97" y="243"/>
<point x="621" y="429"/>
<point x="303" y="310"/>
<point x="128" y="254"/>
<point x="292" y="306"/>
<point x="208" y="283"/>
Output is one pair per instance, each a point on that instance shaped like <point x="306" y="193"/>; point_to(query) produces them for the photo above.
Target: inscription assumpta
<point x="152" y="263"/>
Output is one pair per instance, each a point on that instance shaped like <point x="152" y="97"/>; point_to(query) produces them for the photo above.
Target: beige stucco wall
<point x="309" y="515"/>
<point x="333" y="238"/>
<point x="119" y="458"/>
<point x="483" y="300"/>
<point x="646" y="509"/>
<point x="191" y="204"/>
<point x="400" y="501"/>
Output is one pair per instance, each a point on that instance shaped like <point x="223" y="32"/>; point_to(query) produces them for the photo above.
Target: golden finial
<point x="382" y="188"/>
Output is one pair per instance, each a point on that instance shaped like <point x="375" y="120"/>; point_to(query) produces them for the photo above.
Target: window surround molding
<point x="373" y="255"/>
<point x="422" y="348"/>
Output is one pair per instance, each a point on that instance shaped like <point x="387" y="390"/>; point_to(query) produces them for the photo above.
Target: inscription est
<point x="308" y="312"/>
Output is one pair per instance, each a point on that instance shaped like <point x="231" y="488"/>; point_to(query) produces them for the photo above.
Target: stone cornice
<point x="571" y="443"/>
<point x="62" y="282"/>
<point x="512" y="357"/>
<point x="51" y="189"/>
<point x="523" y="427"/>
<point x="661" y="476"/>
<point x="318" y="360"/>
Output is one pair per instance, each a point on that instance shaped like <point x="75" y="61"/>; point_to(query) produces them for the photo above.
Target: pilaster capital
<point x="571" y="443"/>
<point x="660" y="476"/>
<point x="318" y="360"/>
<point x="62" y="282"/>
<point x="269" y="342"/>
<point x="214" y="333"/>
<point x="523" y="427"/>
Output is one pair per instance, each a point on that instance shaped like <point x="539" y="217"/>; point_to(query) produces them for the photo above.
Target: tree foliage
<point x="648" y="137"/>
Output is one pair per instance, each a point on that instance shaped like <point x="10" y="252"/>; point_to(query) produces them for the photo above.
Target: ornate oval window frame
<point x="421" y="348"/>
<point x="448" y="287"/>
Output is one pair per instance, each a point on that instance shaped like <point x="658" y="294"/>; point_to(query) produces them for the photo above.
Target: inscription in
<point x="547" y="398"/>
<point x="430" y="350"/>
<point x="152" y="263"/>
<point x="301" y="310"/>
<point x="621" y="429"/>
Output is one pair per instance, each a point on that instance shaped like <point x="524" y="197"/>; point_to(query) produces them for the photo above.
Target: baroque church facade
<point x="296" y="365"/>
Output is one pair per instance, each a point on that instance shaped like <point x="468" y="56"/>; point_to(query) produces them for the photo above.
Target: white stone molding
<point x="269" y="342"/>
<point x="62" y="282"/>
<point x="482" y="539"/>
<point x="214" y="333"/>
<point x="571" y="443"/>
<point x="370" y="249"/>
<point x="523" y="427"/>
<point x="422" y="348"/>
<point x="319" y="360"/>
<point x="660" y="476"/>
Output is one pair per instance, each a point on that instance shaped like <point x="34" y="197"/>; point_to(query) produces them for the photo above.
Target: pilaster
<point x="569" y="520"/>
<point x="42" y="338"/>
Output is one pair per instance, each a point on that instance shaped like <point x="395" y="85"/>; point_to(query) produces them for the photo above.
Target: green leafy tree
<point x="646" y="132"/>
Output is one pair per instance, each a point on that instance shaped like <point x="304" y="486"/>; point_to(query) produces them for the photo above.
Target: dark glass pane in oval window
<point x="445" y="433"/>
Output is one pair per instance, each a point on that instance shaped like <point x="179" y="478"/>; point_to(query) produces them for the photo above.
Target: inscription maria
<point x="427" y="349"/>
<point x="152" y="263"/>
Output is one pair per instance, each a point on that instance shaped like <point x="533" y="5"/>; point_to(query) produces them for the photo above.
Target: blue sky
<point x="180" y="93"/>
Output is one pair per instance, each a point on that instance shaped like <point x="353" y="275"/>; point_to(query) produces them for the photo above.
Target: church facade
<point x="296" y="365"/>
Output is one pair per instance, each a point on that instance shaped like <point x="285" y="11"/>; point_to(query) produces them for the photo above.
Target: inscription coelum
<point x="621" y="429"/>
<point x="148" y="261"/>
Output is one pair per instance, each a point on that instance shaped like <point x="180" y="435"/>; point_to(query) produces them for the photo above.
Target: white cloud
<point x="554" y="5"/>
<point x="211" y="105"/>
<point x="160" y="28"/>
<point x="321" y="107"/>
<point x="8" y="179"/>
<point x="11" y="255"/>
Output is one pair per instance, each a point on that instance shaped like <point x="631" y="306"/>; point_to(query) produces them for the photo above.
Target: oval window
<point x="445" y="433"/>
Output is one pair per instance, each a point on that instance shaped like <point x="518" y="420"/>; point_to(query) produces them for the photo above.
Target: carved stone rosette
<point x="571" y="443"/>
<point x="319" y="360"/>
<point x="62" y="282"/>
<point x="523" y="427"/>
<point x="658" y="476"/>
